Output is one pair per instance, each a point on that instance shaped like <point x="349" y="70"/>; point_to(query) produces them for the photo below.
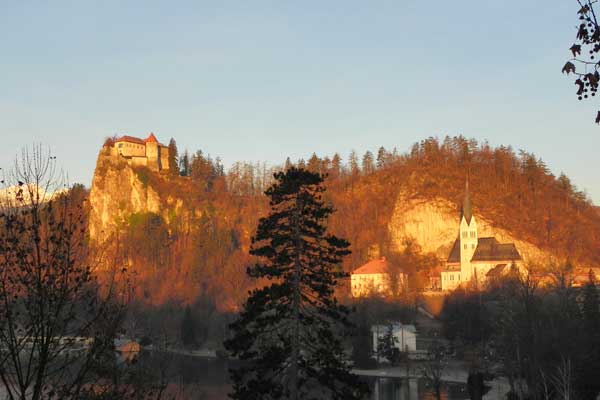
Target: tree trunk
<point x="296" y="303"/>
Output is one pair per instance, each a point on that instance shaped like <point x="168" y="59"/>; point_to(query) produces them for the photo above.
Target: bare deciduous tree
<point x="58" y="319"/>
<point x="433" y="369"/>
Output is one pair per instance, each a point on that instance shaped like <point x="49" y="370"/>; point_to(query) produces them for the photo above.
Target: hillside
<point x="189" y="235"/>
<point x="180" y="240"/>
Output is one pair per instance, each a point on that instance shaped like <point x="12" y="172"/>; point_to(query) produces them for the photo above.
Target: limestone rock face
<point x="119" y="190"/>
<point x="434" y="225"/>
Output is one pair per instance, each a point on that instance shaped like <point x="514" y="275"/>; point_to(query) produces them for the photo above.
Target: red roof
<point x="380" y="266"/>
<point x="132" y="139"/>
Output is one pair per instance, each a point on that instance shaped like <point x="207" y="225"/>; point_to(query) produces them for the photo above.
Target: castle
<point x="147" y="152"/>
<point x="472" y="259"/>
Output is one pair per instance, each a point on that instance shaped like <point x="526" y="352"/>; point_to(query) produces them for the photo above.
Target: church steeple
<point x="467" y="208"/>
<point x="469" y="239"/>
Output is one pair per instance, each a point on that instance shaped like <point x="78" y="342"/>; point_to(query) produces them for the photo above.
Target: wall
<point x="153" y="156"/>
<point x="164" y="157"/>
<point x="131" y="149"/>
<point x="139" y="161"/>
<point x="367" y="284"/>
<point x="450" y="280"/>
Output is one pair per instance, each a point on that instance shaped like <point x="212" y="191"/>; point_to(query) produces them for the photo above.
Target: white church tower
<point x="468" y="237"/>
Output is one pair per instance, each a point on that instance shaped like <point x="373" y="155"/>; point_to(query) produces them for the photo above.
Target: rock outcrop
<point x="433" y="225"/>
<point x="120" y="190"/>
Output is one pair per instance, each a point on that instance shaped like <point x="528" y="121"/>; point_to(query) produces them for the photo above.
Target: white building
<point x="472" y="258"/>
<point x="377" y="277"/>
<point x="405" y="336"/>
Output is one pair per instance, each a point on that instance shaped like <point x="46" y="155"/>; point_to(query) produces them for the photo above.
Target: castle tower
<point x="468" y="236"/>
<point x="152" y="152"/>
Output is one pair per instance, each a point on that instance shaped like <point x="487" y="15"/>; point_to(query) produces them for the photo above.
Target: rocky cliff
<point x="434" y="226"/>
<point x="120" y="190"/>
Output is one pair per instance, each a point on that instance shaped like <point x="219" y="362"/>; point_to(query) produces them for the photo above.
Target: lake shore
<point x="456" y="372"/>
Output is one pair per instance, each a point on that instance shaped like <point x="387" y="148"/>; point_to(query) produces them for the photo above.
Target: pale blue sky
<point x="258" y="80"/>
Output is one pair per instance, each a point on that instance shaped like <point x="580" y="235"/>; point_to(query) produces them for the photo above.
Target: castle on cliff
<point x="147" y="152"/>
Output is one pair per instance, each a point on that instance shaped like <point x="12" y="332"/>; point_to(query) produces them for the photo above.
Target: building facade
<point x="147" y="152"/>
<point x="377" y="277"/>
<point x="474" y="259"/>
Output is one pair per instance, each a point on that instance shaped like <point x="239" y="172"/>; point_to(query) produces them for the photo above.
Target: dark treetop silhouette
<point x="287" y="335"/>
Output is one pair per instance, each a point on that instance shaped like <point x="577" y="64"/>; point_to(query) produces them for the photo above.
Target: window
<point x="473" y="246"/>
<point x="451" y="277"/>
<point x="472" y="234"/>
<point x="465" y="246"/>
<point x="464" y="234"/>
<point x="120" y="145"/>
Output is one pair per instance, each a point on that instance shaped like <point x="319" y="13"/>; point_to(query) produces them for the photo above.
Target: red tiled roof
<point x="130" y="139"/>
<point x="380" y="266"/>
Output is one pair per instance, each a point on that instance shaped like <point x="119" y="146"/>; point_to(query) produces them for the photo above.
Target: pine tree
<point x="184" y="164"/>
<point x="387" y="346"/>
<point x="314" y="163"/>
<point x="288" y="164"/>
<point x="287" y="334"/>
<point x="173" y="156"/>
<point x="353" y="162"/>
<point x="336" y="166"/>
<point x="368" y="165"/>
<point x="382" y="157"/>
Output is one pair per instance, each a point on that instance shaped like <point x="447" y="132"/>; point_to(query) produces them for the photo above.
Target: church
<point x="474" y="259"/>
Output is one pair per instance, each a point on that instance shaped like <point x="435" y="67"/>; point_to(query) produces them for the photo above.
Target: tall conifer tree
<point x="287" y="336"/>
<point x="173" y="158"/>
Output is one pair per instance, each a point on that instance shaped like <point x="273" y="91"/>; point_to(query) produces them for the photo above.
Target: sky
<point x="263" y="80"/>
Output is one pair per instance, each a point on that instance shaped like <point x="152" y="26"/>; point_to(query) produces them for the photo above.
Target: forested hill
<point x="188" y="232"/>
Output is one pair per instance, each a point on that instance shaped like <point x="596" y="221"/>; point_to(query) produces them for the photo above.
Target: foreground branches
<point x="585" y="62"/>
<point x="57" y="321"/>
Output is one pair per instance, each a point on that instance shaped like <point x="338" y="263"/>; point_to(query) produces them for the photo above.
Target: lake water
<point x="210" y="379"/>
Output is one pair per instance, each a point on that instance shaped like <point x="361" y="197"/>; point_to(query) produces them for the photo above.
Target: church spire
<point x="467" y="208"/>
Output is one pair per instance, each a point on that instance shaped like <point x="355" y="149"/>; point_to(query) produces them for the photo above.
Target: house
<point x="377" y="277"/>
<point x="147" y="152"/>
<point x="405" y="336"/>
<point x="472" y="258"/>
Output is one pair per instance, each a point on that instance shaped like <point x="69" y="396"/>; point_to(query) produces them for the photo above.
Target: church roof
<point x="381" y="266"/>
<point x="467" y="207"/>
<point x="488" y="249"/>
<point x="454" y="256"/>
<point x="496" y="271"/>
